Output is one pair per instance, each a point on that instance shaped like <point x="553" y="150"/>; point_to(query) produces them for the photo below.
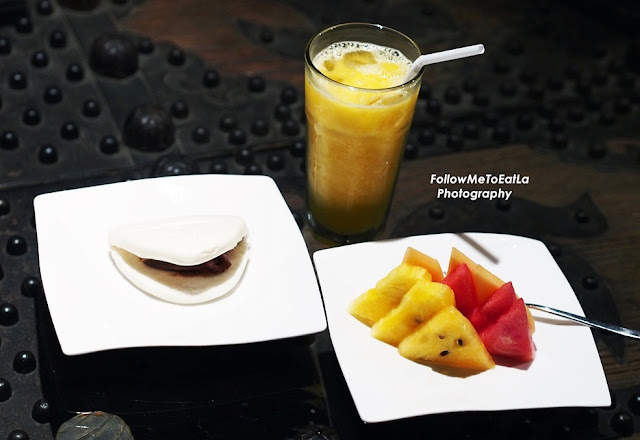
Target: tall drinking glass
<point x="359" y="111"/>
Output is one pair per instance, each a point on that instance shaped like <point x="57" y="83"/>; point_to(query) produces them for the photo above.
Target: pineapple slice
<point x="417" y="306"/>
<point x="447" y="339"/>
<point x="372" y="305"/>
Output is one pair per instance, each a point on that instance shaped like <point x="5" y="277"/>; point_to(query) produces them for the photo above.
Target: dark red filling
<point x="214" y="266"/>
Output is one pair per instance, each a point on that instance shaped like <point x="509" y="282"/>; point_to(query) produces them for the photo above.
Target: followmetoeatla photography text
<point x="453" y="189"/>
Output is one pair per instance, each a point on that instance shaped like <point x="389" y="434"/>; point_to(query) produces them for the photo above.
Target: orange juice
<point x="358" y="116"/>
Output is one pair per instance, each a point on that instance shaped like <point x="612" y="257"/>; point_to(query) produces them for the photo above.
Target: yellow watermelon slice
<point x="447" y="339"/>
<point x="372" y="305"/>
<point x="418" y="305"/>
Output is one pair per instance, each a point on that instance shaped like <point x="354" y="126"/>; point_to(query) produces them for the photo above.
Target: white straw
<point x="446" y="55"/>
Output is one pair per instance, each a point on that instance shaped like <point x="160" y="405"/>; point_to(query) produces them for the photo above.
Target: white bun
<point x="185" y="241"/>
<point x="177" y="287"/>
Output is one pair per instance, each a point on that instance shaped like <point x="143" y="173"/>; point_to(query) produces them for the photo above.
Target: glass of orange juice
<point x="359" y="109"/>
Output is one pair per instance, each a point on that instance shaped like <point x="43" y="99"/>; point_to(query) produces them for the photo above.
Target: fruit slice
<point x="509" y="336"/>
<point x="461" y="282"/>
<point x="447" y="339"/>
<point x="372" y="305"/>
<point x="496" y="306"/>
<point x="531" y="321"/>
<point x="417" y="258"/>
<point x="486" y="283"/>
<point x="418" y="305"/>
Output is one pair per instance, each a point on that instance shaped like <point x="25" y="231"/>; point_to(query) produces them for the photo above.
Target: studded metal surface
<point x="67" y="120"/>
<point x="64" y="124"/>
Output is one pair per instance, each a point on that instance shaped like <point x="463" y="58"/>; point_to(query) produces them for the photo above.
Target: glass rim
<point x="309" y="61"/>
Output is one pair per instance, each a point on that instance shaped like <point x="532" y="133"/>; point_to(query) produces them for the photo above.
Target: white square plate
<point x="94" y="308"/>
<point x="567" y="370"/>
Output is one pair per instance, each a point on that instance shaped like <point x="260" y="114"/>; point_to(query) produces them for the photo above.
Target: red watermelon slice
<point x="461" y="282"/>
<point x="509" y="335"/>
<point x="497" y="305"/>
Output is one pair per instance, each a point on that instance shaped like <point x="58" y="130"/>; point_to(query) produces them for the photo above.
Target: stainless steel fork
<point x="590" y="322"/>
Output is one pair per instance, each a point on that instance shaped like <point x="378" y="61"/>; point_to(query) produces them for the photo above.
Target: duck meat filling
<point x="214" y="266"/>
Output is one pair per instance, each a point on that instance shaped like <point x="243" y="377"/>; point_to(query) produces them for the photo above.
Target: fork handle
<point x="588" y="321"/>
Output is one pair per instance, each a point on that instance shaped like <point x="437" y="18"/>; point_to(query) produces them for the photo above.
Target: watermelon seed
<point x="460" y="342"/>
<point x="444" y="353"/>
<point x="441" y="336"/>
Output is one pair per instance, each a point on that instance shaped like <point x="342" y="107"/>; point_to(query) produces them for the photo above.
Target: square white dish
<point x="567" y="370"/>
<point x="94" y="308"/>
